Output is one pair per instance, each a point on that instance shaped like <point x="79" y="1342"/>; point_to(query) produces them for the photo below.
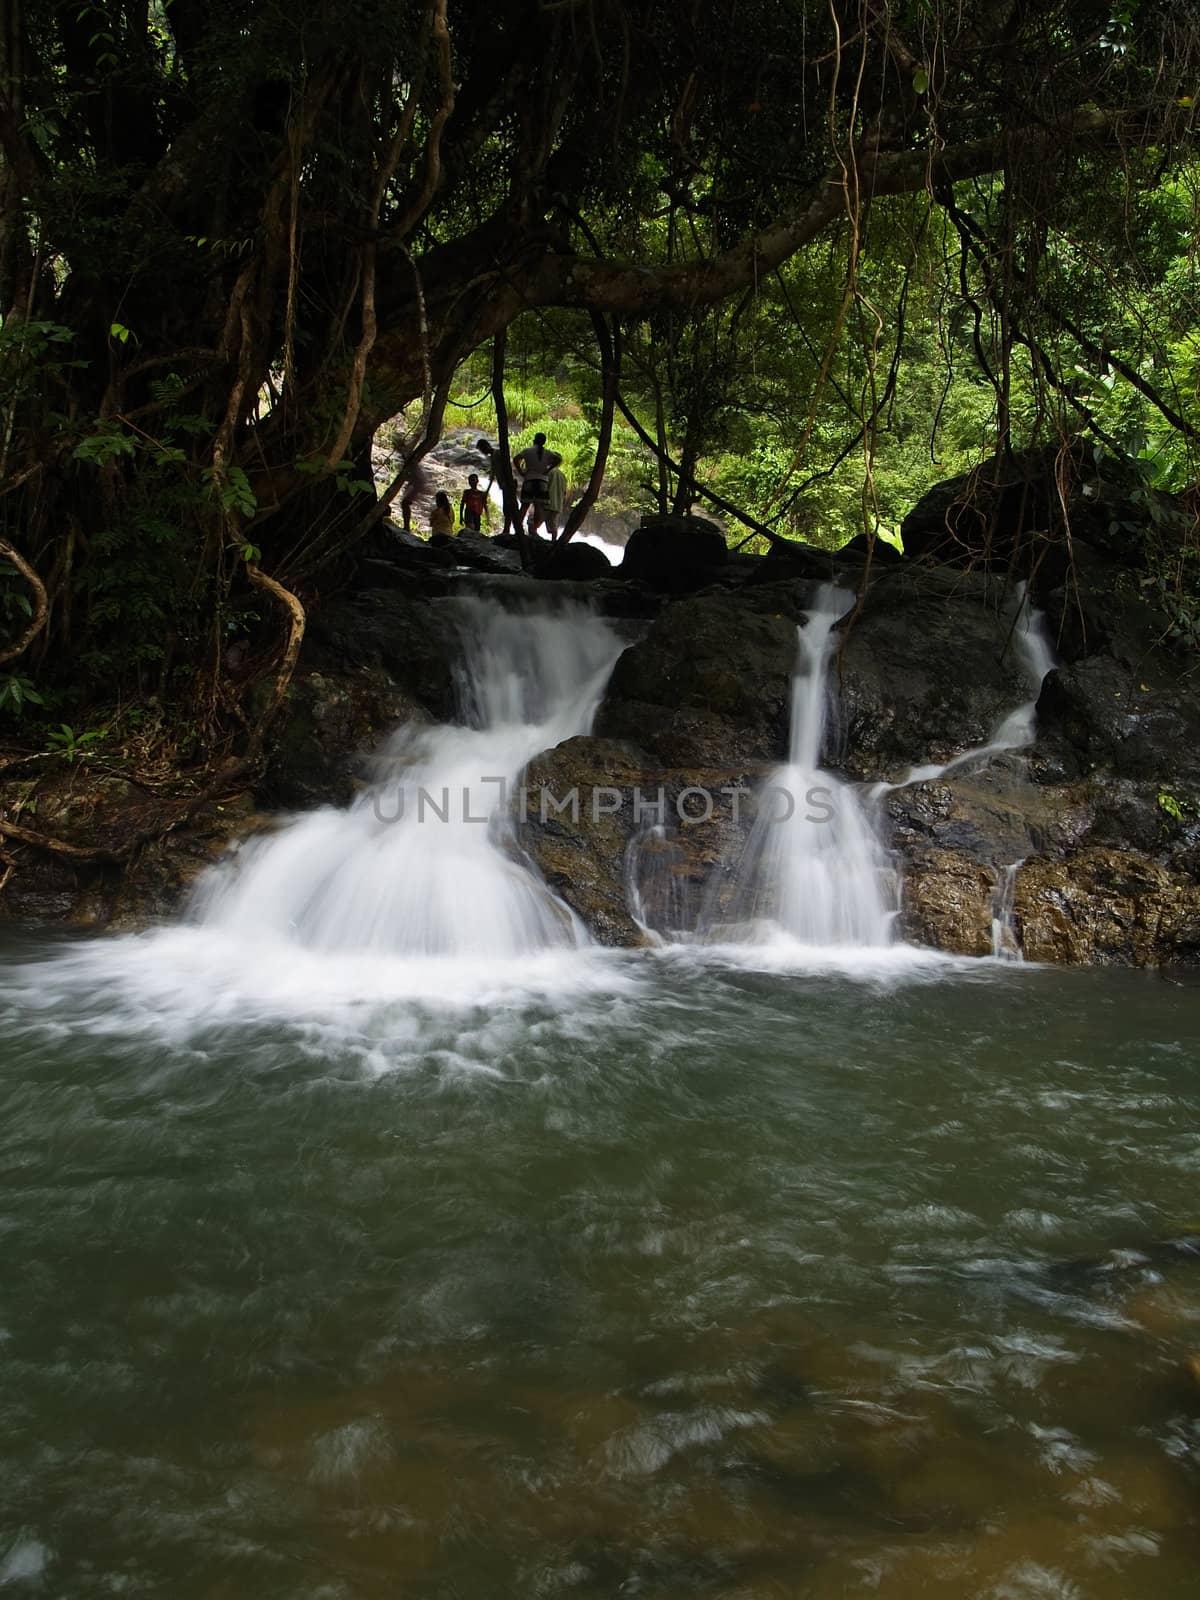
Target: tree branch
<point x="41" y="606"/>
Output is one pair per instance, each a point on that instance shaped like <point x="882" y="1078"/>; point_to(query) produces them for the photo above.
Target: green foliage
<point x="1170" y="806"/>
<point x="108" y="444"/>
<point x="232" y="490"/>
<point x="17" y="692"/>
<point x="74" y="744"/>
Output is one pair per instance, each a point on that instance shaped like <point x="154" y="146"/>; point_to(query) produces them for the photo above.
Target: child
<point x="441" y="518"/>
<point x="473" y="504"/>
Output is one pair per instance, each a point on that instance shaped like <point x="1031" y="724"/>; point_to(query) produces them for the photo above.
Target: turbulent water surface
<point x="667" y="1274"/>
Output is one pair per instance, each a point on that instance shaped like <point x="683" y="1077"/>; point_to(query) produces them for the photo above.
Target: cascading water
<point x="418" y="866"/>
<point x="813" y="870"/>
<point x="1018" y="729"/>
<point x="1005" y="944"/>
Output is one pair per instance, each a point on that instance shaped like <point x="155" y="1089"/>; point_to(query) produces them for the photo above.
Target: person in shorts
<point x="535" y="464"/>
<point x="473" y="504"/>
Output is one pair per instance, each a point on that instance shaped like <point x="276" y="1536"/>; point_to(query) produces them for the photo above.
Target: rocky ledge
<point x="1082" y="847"/>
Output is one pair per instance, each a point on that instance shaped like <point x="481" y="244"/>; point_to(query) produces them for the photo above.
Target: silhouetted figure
<point x="535" y="464"/>
<point x="441" y="518"/>
<point x="496" y="475"/>
<point x="417" y="485"/>
<point x="473" y="504"/>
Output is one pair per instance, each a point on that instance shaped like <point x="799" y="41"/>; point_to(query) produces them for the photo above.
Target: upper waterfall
<point x="422" y="864"/>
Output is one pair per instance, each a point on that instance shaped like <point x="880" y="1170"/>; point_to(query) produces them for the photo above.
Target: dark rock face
<point x="1103" y="715"/>
<point x="859" y="548"/>
<point x="928" y="669"/>
<point x="708" y="686"/>
<point x="571" y="561"/>
<point x="598" y="841"/>
<point x="112" y="815"/>
<point x="791" y="559"/>
<point x="327" y="726"/>
<point x="675" y="555"/>
<point x="413" y="642"/>
<point x="481" y="554"/>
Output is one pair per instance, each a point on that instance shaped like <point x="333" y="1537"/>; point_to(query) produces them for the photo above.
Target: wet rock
<point x="675" y="554"/>
<point x="947" y="902"/>
<point x="788" y="558"/>
<point x="1107" y="907"/>
<point x="709" y="686"/>
<point x="327" y="726"/>
<point x="994" y="815"/>
<point x="414" y="642"/>
<point x="928" y="669"/>
<point x="580" y="852"/>
<point x="481" y="554"/>
<point x="599" y="818"/>
<point x="112" y="814"/>
<point x="580" y="562"/>
<point x="1102" y="715"/>
<point x="880" y="552"/>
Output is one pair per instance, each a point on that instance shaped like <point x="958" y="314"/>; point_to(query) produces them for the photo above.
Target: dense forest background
<point x="808" y="258"/>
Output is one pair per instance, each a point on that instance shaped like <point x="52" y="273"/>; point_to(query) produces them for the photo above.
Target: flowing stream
<point x="371" y="1232"/>
<point x="814" y="873"/>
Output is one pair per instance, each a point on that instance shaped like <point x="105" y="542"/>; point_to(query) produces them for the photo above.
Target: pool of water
<point x="662" y="1275"/>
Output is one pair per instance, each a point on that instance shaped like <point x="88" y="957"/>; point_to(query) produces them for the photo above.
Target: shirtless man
<point x="535" y="464"/>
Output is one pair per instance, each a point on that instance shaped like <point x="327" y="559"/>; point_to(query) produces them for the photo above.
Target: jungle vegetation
<point x="808" y="255"/>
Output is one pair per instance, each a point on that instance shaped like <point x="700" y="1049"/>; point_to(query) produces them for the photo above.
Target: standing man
<point x="496" y="475"/>
<point x="535" y="464"/>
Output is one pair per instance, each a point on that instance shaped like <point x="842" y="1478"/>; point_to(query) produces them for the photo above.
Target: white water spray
<point x="423" y="863"/>
<point x="813" y="870"/>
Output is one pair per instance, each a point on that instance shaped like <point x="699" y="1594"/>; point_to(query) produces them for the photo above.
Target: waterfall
<point x="1018" y="729"/>
<point x="423" y="863"/>
<point x="657" y="890"/>
<point x="813" y="870"/>
<point x="1005" y="944"/>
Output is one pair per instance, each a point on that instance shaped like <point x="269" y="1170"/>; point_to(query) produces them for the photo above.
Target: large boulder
<point x="929" y="668"/>
<point x="573" y="562"/>
<point x="1031" y="508"/>
<point x="322" y="736"/>
<point x="481" y="554"/>
<point x="789" y="558"/>
<point x="415" y="642"/>
<point x="709" y="685"/>
<point x="635" y="848"/>
<point x="947" y="902"/>
<point x="675" y="555"/>
<point x="1101" y="715"/>
<point x="1107" y="907"/>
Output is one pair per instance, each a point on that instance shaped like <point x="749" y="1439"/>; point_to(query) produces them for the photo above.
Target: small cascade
<point x="814" y="870"/>
<point x="1018" y="729"/>
<point x="421" y="865"/>
<point x="657" y="889"/>
<point x="1005" y="944"/>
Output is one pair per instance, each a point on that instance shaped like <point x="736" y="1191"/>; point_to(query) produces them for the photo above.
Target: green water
<point x="683" y="1280"/>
